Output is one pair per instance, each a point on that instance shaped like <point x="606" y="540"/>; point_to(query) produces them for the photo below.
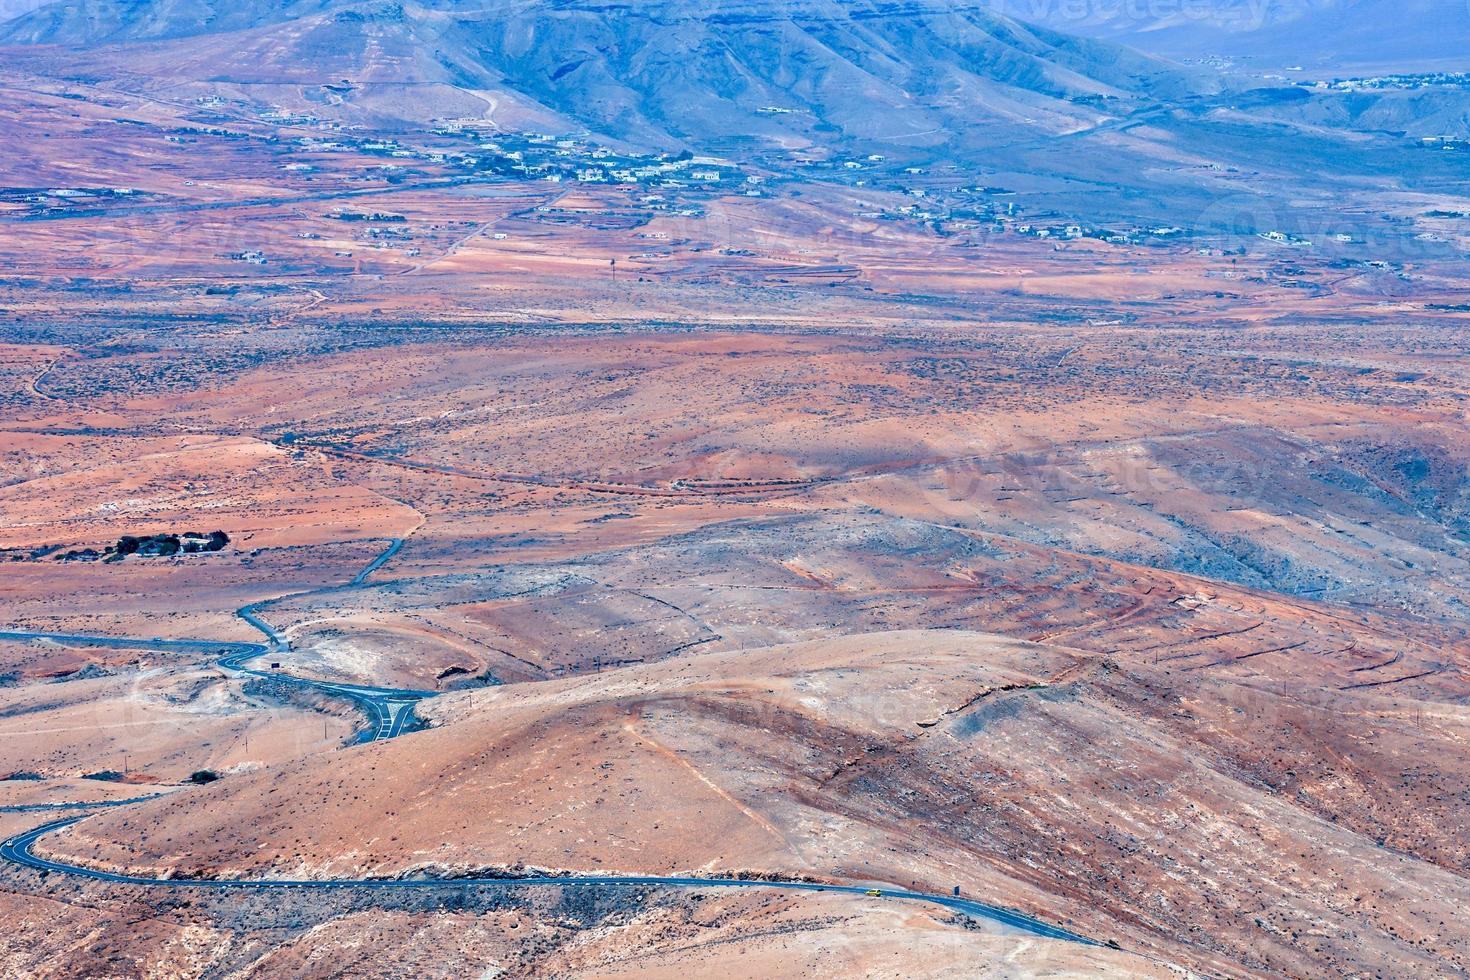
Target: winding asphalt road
<point x="17" y="850"/>
<point x="389" y="710"/>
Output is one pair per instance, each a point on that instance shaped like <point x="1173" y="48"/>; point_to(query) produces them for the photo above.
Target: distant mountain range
<point x="923" y="73"/>
<point x="14" y="8"/>
<point x="82" y="23"/>
<point x="1319" y="35"/>
<point x="1085" y="124"/>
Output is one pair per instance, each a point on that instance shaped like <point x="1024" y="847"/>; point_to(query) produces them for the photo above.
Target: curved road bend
<point x="389" y="710"/>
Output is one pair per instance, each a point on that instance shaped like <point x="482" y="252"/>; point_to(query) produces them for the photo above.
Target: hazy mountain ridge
<point x="874" y="70"/>
<point x="921" y="72"/>
<point x="94" y="22"/>
<point x="14" y="8"/>
<point x="1319" y="35"/>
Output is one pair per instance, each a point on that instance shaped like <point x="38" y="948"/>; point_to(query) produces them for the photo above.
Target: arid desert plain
<point x="773" y="557"/>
